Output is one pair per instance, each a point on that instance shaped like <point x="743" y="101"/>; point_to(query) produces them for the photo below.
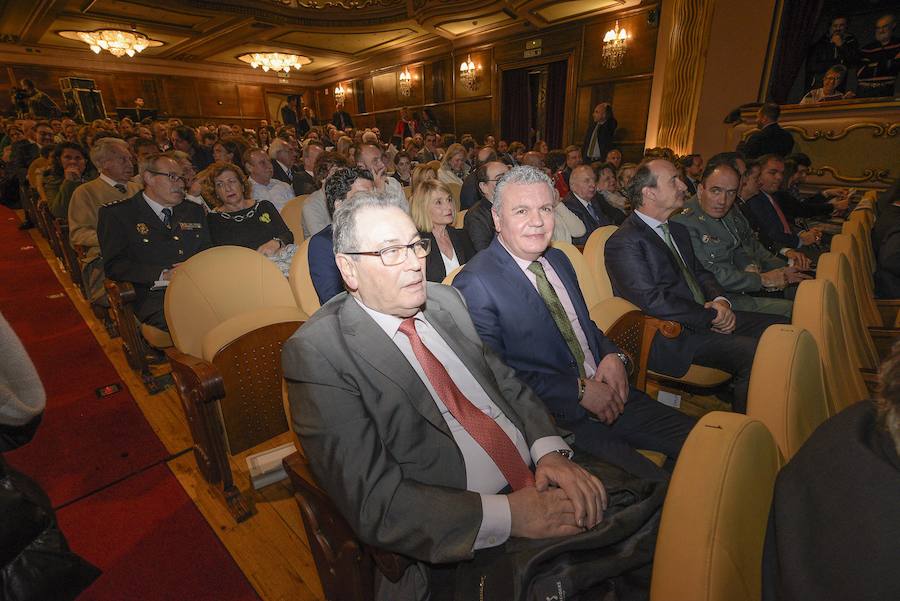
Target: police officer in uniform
<point x="724" y="243"/>
<point x="144" y="238"/>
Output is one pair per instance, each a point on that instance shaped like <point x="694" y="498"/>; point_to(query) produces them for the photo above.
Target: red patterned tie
<point x="784" y="222"/>
<point x="491" y="437"/>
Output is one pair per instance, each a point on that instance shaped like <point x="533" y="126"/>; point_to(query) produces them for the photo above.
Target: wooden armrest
<point x="197" y="377"/>
<point x="120" y="291"/>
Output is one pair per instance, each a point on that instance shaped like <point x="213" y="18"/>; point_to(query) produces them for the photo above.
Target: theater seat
<point x="847" y="245"/>
<point x="448" y="279"/>
<point x="292" y="214"/>
<point x="594" y="254"/>
<point x="301" y="282"/>
<point x="229" y="311"/>
<point x="714" y="517"/>
<point x="459" y="220"/>
<point x="583" y="272"/>
<point x="816" y="310"/>
<point x="835" y="268"/>
<point x="455" y="191"/>
<point x="787" y="389"/>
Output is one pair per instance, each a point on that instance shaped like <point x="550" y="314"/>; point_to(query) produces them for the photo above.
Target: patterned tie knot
<point x="121" y="188"/>
<point x="537" y="269"/>
<point x="167" y="216"/>
<point x="408" y="327"/>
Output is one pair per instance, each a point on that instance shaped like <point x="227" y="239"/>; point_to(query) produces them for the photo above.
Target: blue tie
<point x="167" y="217"/>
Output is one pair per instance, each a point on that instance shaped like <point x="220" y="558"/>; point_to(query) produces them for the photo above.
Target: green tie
<point x="688" y="276"/>
<point x="558" y="312"/>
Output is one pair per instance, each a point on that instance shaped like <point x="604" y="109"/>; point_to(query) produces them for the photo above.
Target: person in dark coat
<point x="598" y="139"/>
<point x="836" y="47"/>
<point x="771" y="138"/>
<point x="478" y="222"/>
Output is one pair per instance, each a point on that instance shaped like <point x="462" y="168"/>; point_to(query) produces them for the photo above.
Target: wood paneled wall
<point x="193" y="99"/>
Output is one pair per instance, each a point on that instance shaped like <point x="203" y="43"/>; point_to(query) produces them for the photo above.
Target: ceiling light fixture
<point x="117" y="42"/>
<point x="468" y="73"/>
<point x="405" y="82"/>
<point x="615" y="43"/>
<point x="280" y="62"/>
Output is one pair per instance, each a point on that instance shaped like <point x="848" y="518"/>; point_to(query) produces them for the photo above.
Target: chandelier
<point x="115" y="41"/>
<point x="339" y="93"/>
<point x="279" y="62"/>
<point x="405" y="82"/>
<point x="468" y="73"/>
<point x="615" y="43"/>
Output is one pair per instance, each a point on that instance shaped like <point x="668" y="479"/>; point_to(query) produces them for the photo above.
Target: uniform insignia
<point x="265" y="218"/>
<point x="687" y="212"/>
<point x="191" y="226"/>
<point x="142" y="229"/>
<point x="707" y="239"/>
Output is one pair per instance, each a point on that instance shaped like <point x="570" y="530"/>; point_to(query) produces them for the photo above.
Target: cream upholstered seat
<point x="594" y="254"/>
<point x="301" y="281"/>
<point x="455" y="191"/>
<point x="816" y="310"/>
<point x="865" y="287"/>
<point x="292" y="214"/>
<point x="835" y="268"/>
<point x="229" y="311"/>
<point x="787" y="389"/>
<point x="407" y="191"/>
<point x="583" y="272"/>
<point x="459" y="220"/>
<point x="714" y="517"/>
<point x="155" y="337"/>
<point x="858" y="228"/>
<point x="448" y="279"/>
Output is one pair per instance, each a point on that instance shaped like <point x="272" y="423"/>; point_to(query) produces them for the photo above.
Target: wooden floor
<point x="270" y="548"/>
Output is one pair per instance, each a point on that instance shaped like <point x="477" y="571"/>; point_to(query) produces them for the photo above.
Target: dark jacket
<point x="303" y="183"/>
<point x="479" y="224"/>
<point x="771" y="139"/>
<point x="605" y="133"/>
<point x="341" y="120"/>
<point x="434" y="264"/>
<point x="590" y="224"/>
<point x="323" y="271"/>
<point x="886" y="242"/>
<point x="770" y="227"/>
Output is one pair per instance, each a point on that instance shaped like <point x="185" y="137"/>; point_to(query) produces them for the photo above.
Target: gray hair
<point x="344" y="231"/>
<point x="103" y="149"/>
<point x="150" y="162"/>
<point x="522" y="175"/>
<point x="643" y="177"/>
<point x="277" y="146"/>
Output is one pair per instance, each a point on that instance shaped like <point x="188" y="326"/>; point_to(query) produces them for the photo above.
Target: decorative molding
<point x="688" y="42"/>
<point x="868" y="175"/>
<point x="887" y="130"/>
<point x="345" y="4"/>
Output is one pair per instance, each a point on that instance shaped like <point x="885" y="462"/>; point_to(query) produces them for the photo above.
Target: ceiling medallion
<point x="279" y="62"/>
<point x="117" y="42"/>
<point x="345" y="4"/>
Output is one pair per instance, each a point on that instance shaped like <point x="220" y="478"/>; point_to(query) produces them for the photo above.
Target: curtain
<point x="515" y="115"/>
<point x="556" y="102"/>
<point x="798" y="26"/>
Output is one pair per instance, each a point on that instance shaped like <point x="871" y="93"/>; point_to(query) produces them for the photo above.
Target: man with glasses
<point x="415" y="428"/>
<point x="145" y="237"/>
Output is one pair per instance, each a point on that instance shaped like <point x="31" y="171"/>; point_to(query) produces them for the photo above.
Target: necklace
<point x="239" y="218"/>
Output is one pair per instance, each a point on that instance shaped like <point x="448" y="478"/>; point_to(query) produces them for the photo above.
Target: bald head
<point x="583" y="182"/>
<point x="533" y="159"/>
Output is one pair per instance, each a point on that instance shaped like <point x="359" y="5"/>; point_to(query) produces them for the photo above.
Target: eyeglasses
<point x="173" y="177"/>
<point x="395" y="255"/>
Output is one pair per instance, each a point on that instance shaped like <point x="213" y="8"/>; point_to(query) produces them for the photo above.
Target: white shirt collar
<point x="580" y="199"/>
<point x="157" y="208"/>
<point x="283" y="166"/>
<point x="113" y="183"/>
<point x="389" y="323"/>
<point x="652" y="222"/>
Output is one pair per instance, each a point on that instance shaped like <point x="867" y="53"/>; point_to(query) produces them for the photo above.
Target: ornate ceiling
<point x="334" y="34"/>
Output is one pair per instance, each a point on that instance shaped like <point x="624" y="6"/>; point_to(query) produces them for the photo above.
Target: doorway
<point x="533" y="101"/>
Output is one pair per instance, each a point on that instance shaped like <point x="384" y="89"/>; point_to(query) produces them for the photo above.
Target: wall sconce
<point x="405" y="82"/>
<point x="615" y="43"/>
<point x="468" y="73"/>
<point x="339" y="94"/>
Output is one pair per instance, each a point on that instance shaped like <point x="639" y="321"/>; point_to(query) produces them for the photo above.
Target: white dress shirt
<point x="482" y="474"/>
<point x="276" y="191"/>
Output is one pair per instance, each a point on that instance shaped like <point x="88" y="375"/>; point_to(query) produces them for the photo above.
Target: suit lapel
<point x="372" y="345"/>
<point x="656" y="241"/>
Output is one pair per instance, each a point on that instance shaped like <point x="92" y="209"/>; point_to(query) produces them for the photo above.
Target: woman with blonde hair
<point x="433" y="211"/>
<point x="237" y="219"/>
<point x="421" y="173"/>
<point x="453" y="165"/>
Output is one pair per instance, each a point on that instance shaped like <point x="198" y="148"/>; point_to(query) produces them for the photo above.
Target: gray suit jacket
<point x="374" y="436"/>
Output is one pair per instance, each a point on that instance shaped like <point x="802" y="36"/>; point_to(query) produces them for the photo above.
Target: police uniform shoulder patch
<point x="116" y="202"/>
<point x="687" y="212"/>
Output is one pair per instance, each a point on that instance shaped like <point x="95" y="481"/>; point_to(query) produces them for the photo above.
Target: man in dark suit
<point x="693" y="169"/>
<point x="411" y="425"/>
<point x="304" y="180"/>
<point x="428" y="152"/>
<point x="284" y="161"/>
<point x="776" y="231"/>
<point x="582" y="200"/>
<point x="478" y="222"/>
<point x="771" y="138"/>
<point x="651" y="263"/>
<point x="527" y="306"/>
<point x="598" y="138"/>
<point x="290" y="112"/>
<point x="468" y="194"/>
<point x="341" y="119"/>
<point x="144" y="238"/>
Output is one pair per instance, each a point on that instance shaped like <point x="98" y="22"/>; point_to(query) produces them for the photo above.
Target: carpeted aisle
<point x="98" y="459"/>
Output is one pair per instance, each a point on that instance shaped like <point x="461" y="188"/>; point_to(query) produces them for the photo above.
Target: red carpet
<point x="84" y="442"/>
<point x="151" y="543"/>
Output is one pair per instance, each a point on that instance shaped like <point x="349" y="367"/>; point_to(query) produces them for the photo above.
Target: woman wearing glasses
<point x="236" y="218"/>
<point x="433" y="211"/>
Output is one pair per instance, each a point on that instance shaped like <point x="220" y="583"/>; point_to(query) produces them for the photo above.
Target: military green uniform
<point x="727" y="247"/>
<point x="136" y="247"/>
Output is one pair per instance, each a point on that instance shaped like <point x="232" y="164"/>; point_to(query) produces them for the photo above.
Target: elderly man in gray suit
<point x="411" y="424"/>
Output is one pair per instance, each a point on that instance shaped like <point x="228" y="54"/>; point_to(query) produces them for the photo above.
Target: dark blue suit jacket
<point x="514" y="322"/>
<point x="590" y="224"/>
<point x="326" y="277"/>
<point x="770" y="227"/>
<point x="643" y="271"/>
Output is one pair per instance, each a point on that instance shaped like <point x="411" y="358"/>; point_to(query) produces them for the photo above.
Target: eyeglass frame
<point x="173" y="177"/>
<point x="424" y="243"/>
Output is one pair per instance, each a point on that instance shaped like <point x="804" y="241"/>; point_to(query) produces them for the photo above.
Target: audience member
<point x="771" y="138"/>
<point x="886" y="243"/>
<point x="433" y="211"/>
<point x="304" y="180"/>
<point x="623" y="178"/>
<point x="283" y="160"/>
<point x="795" y="204"/>
<point x="453" y="165"/>
<point x="836" y="47"/>
<point x="341" y="119"/>
<point x="184" y="139"/>
<point x="526" y="305"/>
<point x="403" y="169"/>
<point x="651" y="263"/>
<point x="880" y="63"/>
<point x="264" y="186"/>
<point x="614" y="158"/>
<point x="230" y="149"/>
<point x="145" y="237"/>
<point x="832" y="83"/>
<point x="611" y="203"/>
<point x="371" y="158"/>
<point x="424" y="171"/>
<point x="479" y="220"/>
<point x="582" y="201"/>
<point x="468" y="194"/>
<point x="406" y="126"/>
<point x="68" y="170"/>
<point x="428" y="151"/>
<point x="693" y="169"/>
<point x="339" y="186"/>
<point x="315" y="214"/>
<point x="598" y="139"/>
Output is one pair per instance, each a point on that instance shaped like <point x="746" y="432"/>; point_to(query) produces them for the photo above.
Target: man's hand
<point x="269" y="248"/>
<point x="73" y="174"/>
<point x="611" y="371"/>
<point x="602" y="400"/>
<point x="793" y="275"/>
<point x="725" y="320"/>
<point x="583" y="489"/>
<point x="810" y="236"/>
<point x="538" y="514"/>
<point x="774" y="279"/>
<point x="837" y="39"/>
<point x="801" y="261"/>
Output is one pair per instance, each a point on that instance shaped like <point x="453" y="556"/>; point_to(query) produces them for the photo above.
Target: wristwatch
<point x="564" y="452"/>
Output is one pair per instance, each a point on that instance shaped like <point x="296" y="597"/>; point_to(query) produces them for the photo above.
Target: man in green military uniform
<point x="724" y="243"/>
<point x="144" y="238"/>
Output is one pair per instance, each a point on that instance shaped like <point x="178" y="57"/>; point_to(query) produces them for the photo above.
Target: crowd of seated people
<point x="718" y="246"/>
